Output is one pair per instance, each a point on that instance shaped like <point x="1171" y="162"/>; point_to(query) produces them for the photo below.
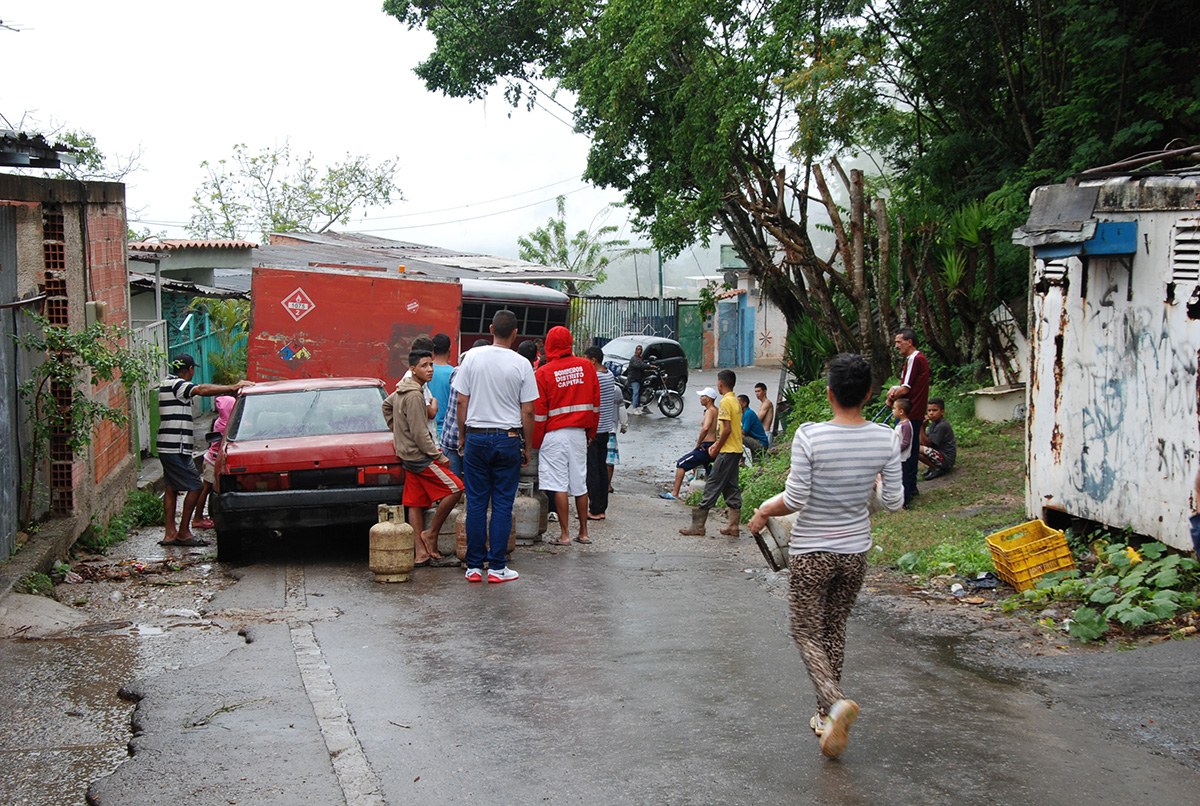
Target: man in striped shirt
<point x="174" y="445"/>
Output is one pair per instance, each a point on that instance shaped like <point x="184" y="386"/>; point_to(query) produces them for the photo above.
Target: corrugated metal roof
<point x="167" y="245"/>
<point x="145" y="282"/>
<point x="302" y="249"/>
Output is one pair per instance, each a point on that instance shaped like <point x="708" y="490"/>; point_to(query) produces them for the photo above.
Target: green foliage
<point x="1134" y="587"/>
<point x="270" y="191"/>
<point x="36" y="584"/>
<point x="709" y="114"/>
<point x="968" y="556"/>
<point x="807" y="351"/>
<point x="232" y="319"/>
<point x="710" y="294"/>
<point x="588" y="252"/>
<point x="142" y="508"/>
<point x="809" y="403"/>
<point x="58" y="393"/>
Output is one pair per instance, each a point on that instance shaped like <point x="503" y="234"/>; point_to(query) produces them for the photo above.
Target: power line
<point x="472" y="218"/>
<point x="469" y="204"/>
<point x="409" y="226"/>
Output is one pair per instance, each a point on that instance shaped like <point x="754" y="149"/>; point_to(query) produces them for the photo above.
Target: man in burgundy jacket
<point x="914" y="385"/>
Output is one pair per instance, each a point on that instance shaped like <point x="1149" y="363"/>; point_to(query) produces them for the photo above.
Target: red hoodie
<point x="568" y="392"/>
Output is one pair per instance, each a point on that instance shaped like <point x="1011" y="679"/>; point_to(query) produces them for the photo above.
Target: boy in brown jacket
<point x="427" y="477"/>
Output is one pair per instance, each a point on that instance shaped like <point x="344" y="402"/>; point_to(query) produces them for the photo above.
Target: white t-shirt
<point x="498" y="380"/>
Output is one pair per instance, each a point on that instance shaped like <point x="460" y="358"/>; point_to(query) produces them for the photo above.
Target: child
<point x="224" y="405"/>
<point x="426" y="478"/>
<point x="938" y="445"/>
<point x="900" y="410"/>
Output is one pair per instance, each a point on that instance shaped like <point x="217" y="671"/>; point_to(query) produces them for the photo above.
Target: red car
<point x="303" y="453"/>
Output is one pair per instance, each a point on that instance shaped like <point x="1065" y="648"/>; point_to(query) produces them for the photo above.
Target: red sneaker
<point x="474" y="575"/>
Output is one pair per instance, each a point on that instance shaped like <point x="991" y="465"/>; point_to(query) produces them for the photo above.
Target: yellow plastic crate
<point x="1026" y="552"/>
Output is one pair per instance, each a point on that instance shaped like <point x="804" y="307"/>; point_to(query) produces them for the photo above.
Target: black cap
<point x="183" y="361"/>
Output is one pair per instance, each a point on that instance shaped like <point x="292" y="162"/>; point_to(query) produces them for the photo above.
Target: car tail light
<point x="380" y="475"/>
<point x="259" y="482"/>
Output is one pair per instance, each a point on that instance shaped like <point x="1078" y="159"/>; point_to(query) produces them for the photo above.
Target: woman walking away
<point x="835" y="467"/>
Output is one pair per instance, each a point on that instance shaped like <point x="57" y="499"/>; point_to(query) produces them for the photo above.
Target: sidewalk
<point x="55" y="537"/>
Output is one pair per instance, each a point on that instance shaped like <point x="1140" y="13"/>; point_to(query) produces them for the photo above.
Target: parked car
<point x="303" y="453"/>
<point x="667" y="353"/>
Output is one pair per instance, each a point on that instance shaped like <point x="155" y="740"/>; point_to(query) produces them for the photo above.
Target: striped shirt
<point x="450" y="424"/>
<point x="175" y="415"/>
<point x="608" y="403"/>
<point x="833" y="472"/>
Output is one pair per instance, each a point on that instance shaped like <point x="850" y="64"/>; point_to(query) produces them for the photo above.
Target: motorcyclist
<point x="635" y="373"/>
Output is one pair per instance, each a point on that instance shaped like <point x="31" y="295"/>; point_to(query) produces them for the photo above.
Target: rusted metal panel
<point x="1112" y="407"/>
<point x="329" y="323"/>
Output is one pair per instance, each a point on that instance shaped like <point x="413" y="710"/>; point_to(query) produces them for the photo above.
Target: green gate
<point x="691" y="330"/>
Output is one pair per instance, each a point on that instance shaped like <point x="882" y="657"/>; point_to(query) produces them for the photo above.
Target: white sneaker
<point x="474" y="575"/>
<point x="837" y="728"/>
<point x="503" y="575"/>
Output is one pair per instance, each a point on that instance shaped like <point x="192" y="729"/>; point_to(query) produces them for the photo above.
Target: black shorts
<point x="179" y="471"/>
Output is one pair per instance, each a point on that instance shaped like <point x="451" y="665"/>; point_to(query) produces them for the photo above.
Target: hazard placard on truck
<point x="335" y="322"/>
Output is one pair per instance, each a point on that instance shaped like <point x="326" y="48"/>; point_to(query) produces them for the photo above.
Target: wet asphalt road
<point x="647" y="668"/>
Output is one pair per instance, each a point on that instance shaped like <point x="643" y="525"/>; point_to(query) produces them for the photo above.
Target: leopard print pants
<point x="823" y="589"/>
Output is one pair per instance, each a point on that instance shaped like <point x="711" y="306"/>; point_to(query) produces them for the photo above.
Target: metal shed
<point x="1112" y="399"/>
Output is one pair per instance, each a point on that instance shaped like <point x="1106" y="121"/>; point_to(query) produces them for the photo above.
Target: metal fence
<point x="598" y="320"/>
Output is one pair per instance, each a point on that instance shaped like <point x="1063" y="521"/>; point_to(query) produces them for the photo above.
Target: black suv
<point x="666" y="353"/>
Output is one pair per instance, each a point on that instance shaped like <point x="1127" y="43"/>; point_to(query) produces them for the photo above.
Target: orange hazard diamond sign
<point x="298" y="304"/>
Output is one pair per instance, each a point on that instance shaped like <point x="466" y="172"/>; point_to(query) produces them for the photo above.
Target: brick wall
<point x="109" y="284"/>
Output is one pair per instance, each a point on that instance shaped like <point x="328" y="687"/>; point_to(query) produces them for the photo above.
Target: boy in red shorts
<point x="427" y="477"/>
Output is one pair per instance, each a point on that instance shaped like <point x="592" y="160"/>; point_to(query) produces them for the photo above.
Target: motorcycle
<point x="654" y="390"/>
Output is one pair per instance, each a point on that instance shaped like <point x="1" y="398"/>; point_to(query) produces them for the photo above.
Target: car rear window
<point x="309" y="413"/>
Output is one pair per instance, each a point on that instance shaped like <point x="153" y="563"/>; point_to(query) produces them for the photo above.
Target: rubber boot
<point x="734" y="529"/>
<point x="699" y="516"/>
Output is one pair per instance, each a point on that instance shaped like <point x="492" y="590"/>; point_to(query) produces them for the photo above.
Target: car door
<point x="674" y="363"/>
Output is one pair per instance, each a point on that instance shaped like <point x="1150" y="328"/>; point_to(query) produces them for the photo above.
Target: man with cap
<point x="565" y="418"/>
<point x="708" y="435"/>
<point x="175" y="445"/>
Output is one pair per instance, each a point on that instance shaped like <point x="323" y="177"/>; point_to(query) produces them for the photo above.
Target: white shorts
<point x="562" y="461"/>
<point x="209" y="472"/>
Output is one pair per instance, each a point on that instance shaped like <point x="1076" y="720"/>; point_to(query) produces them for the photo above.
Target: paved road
<point x="647" y="668"/>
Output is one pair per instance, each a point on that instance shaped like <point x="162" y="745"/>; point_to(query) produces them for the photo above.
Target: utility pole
<point x="660" y="294"/>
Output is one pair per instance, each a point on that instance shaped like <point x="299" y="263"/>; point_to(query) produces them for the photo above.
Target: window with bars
<point x="54" y="256"/>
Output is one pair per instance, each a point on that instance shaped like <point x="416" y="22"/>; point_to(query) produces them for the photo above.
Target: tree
<point x="583" y="254"/>
<point x="270" y="191"/>
<point x="708" y="113"/>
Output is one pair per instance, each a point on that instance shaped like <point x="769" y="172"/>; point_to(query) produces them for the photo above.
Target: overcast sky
<point x="184" y="82"/>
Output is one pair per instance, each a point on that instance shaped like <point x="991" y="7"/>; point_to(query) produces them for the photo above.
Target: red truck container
<point x="322" y="322"/>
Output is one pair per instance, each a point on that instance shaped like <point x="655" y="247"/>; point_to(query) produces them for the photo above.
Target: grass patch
<point x="36" y="584"/>
<point x="141" y="509"/>
<point x="948" y="522"/>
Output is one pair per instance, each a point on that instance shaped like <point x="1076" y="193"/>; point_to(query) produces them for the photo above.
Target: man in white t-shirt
<point x="496" y="392"/>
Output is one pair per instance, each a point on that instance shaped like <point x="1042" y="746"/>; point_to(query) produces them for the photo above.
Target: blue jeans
<point x="456" y="462"/>
<point x="635" y="393"/>
<point x="492" y="468"/>
<point x="908" y="468"/>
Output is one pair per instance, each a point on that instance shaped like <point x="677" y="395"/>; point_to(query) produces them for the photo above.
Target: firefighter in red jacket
<point x="565" y="417"/>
